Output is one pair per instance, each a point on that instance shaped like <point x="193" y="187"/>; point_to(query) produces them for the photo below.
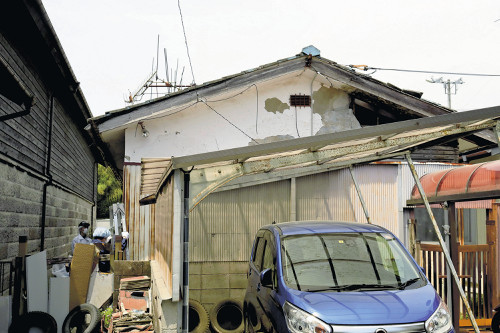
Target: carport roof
<point x="320" y="152"/>
<point x="470" y="182"/>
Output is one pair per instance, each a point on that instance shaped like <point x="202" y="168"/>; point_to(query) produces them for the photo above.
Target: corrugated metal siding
<point x="223" y="226"/>
<point x="131" y="191"/>
<point x="161" y="240"/>
<point x="325" y="196"/>
<point x="333" y="196"/>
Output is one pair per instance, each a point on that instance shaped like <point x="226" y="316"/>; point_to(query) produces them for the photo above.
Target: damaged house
<point x="48" y="161"/>
<point x="295" y="99"/>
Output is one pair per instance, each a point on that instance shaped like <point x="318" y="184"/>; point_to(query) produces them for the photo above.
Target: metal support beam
<point x="442" y="243"/>
<point x="358" y="190"/>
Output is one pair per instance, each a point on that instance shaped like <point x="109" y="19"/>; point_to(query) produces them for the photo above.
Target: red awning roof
<point x="467" y="183"/>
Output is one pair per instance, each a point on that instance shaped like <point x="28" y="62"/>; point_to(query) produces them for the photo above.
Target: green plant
<point x="106" y="314"/>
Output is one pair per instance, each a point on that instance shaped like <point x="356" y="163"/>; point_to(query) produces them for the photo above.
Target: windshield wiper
<point x="355" y="287"/>
<point x="407" y="283"/>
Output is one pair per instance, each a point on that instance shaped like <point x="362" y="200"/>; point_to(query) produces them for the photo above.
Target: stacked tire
<point x="227" y="317"/>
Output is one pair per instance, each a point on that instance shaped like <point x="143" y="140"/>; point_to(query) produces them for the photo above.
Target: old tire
<point x="495" y="323"/>
<point x="227" y="317"/>
<point x="86" y="318"/>
<point x="198" y="317"/>
<point x="35" y="319"/>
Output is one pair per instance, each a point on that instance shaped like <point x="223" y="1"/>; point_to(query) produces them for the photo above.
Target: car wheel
<point x="85" y="318"/>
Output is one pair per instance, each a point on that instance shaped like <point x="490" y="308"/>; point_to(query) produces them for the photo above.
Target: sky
<point x="112" y="44"/>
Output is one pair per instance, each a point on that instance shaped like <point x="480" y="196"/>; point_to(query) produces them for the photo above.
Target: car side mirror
<point x="423" y="269"/>
<point x="266" y="278"/>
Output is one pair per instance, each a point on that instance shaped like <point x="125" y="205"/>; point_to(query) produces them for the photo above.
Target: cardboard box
<point x="85" y="258"/>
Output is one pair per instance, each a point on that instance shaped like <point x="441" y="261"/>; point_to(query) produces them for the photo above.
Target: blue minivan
<point x="323" y="276"/>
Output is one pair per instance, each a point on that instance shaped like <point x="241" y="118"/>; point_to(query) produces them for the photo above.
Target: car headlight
<point x="440" y="321"/>
<point x="299" y="321"/>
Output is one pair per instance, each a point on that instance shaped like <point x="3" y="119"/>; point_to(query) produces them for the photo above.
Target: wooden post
<point x="492" y="277"/>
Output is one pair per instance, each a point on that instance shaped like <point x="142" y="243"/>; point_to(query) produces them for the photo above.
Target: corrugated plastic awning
<point x="467" y="183"/>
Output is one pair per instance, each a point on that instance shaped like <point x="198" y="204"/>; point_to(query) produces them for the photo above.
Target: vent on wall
<point x="300" y="100"/>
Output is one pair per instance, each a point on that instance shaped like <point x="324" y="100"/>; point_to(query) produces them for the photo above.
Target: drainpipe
<point x="185" y="267"/>
<point x="449" y="262"/>
<point x="47" y="173"/>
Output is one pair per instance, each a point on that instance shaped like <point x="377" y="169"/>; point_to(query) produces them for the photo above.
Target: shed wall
<point x="223" y="225"/>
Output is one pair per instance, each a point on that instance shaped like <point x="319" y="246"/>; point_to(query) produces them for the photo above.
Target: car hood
<point x="369" y="307"/>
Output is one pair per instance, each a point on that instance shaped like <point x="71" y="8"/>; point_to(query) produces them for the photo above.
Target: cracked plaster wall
<point x="242" y="119"/>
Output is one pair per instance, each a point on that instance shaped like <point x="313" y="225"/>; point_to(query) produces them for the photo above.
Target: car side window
<point x="259" y="250"/>
<point x="267" y="262"/>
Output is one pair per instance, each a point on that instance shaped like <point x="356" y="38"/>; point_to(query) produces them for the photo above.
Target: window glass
<point x="322" y="261"/>
<point x="259" y="249"/>
<point x="268" y="256"/>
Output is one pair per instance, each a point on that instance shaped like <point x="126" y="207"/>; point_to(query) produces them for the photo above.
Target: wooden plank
<point x="36" y="282"/>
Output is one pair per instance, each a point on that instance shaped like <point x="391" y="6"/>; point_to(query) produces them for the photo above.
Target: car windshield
<point x="347" y="262"/>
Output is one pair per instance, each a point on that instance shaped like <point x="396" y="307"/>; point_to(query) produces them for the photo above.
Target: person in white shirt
<point x="82" y="238"/>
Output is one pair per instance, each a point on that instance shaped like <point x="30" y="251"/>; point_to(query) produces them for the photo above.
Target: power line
<point x="185" y="40"/>
<point x="366" y="68"/>
<point x="239" y="129"/>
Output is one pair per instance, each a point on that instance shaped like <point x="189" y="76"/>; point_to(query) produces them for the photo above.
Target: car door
<point x="254" y="311"/>
<point x="267" y="295"/>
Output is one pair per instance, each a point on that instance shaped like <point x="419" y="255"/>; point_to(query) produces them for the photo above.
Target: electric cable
<point x="220" y="115"/>
<point x="366" y="68"/>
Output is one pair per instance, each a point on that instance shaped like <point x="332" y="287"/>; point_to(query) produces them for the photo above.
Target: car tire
<point x="227" y="317"/>
<point x="198" y="317"/>
<point x="85" y="317"/>
<point x="35" y="319"/>
<point x="495" y="323"/>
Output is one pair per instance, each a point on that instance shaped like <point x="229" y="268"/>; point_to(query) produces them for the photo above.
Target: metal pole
<point x="446" y="229"/>
<point x="448" y="83"/>
<point x="442" y="243"/>
<point x="185" y="267"/>
<point x="365" y="209"/>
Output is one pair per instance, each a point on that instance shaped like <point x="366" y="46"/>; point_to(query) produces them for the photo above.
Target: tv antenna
<point x="447" y="87"/>
<point x="154" y="86"/>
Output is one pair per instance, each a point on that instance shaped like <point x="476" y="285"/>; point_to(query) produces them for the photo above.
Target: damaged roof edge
<point x="491" y="113"/>
<point x="357" y="80"/>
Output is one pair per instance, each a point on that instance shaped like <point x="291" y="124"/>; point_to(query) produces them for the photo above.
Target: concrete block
<point x="238" y="281"/>
<point x="237" y="294"/>
<point x="195" y="267"/>
<point x="214" y="295"/>
<point x="215" y="268"/>
<point x="195" y="294"/>
<point x="194" y="282"/>
<point x="238" y="267"/>
<point x="215" y="281"/>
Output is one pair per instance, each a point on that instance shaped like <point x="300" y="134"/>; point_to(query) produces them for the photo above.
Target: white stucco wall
<point x="197" y="129"/>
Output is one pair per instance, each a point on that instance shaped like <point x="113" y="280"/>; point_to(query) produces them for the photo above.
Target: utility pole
<point x="447" y="87"/>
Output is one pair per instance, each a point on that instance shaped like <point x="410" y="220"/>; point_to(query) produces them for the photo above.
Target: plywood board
<point x="59" y="300"/>
<point x="36" y="282"/>
<point x="83" y="263"/>
<point x="100" y="288"/>
<point x="5" y="313"/>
